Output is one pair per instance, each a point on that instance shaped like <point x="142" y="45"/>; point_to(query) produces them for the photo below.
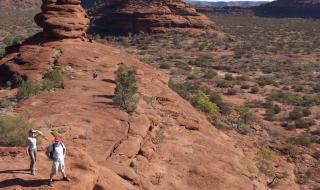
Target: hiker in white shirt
<point x="56" y="152"/>
<point x="32" y="148"/>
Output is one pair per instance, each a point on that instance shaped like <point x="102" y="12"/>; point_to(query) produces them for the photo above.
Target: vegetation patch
<point x="13" y="131"/>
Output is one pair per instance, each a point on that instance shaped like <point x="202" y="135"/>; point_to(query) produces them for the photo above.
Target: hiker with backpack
<point x="57" y="152"/>
<point x="94" y="75"/>
<point x="32" y="148"/>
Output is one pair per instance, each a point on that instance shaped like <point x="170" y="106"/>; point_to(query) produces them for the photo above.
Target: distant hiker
<point x="95" y="75"/>
<point x="57" y="152"/>
<point x="32" y="148"/>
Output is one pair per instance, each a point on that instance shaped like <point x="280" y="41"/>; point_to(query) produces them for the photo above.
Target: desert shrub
<point x="5" y="103"/>
<point x="266" y="154"/>
<point x="125" y="89"/>
<point x="164" y="66"/>
<point x="202" y="102"/>
<point x="228" y="77"/>
<point x="316" y="88"/>
<point x="269" y="114"/>
<point x="224" y="84"/>
<point x="266" y="157"/>
<point x="306" y="112"/>
<point x="245" y="129"/>
<point x="288" y="126"/>
<point x="295" y="114"/>
<point x="303" y="175"/>
<point x="316" y="155"/>
<point x="2" y="52"/>
<point x="300" y="140"/>
<point x="191" y="77"/>
<point x="265" y="80"/>
<point x="215" y="97"/>
<point x="52" y="79"/>
<point x="242" y="78"/>
<point x="245" y="86"/>
<point x="210" y="74"/>
<point x="276" y="108"/>
<point x="231" y="92"/>
<point x="254" y="90"/>
<point x="27" y="89"/>
<point x="10" y="40"/>
<point x="13" y="131"/>
<point x="245" y="113"/>
<point x="304" y="123"/>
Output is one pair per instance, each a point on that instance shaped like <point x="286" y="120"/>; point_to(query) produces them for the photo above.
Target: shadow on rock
<point x="23" y="183"/>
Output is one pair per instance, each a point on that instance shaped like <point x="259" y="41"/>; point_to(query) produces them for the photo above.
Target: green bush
<point x="13" y="131"/>
<point x="210" y="74"/>
<point x="125" y="89"/>
<point x="202" y="102"/>
<point x="306" y="112"/>
<point x="276" y="108"/>
<point x="224" y="84"/>
<point x="245" y="113"/>
<point x="27" y="89"/>
<point x="269" y="114"/>
<point x="265" y="80"/>
<point x="254" y="90"/>
<point x="228" y="77"/>
<point x="300" y="140"/>
<point x="304" y="123"/>
<point x="266" y="154"/>
<point x="231" y="92"/>
<point x="295" y="114"/>
<point x="52" y="79"/>
<point x="164" y="66"/>
<point x="5" y="103"/>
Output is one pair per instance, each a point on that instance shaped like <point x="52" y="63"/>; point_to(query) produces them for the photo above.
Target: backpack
<point x="50" y="153"/>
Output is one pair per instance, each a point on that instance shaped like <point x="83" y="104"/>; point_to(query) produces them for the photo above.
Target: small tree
<point x="125" y="89"/>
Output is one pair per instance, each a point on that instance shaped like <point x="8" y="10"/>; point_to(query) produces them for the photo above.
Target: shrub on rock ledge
<point x="125" y="89"/>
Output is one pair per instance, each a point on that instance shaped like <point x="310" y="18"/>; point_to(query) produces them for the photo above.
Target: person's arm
<point x="49" y="150"/>
<point x="27" y="147"/>
<point x="64" y="150"/>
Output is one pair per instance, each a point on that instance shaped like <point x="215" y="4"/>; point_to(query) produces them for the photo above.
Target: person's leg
<point x="62" y="169"/>
<point x="32" y="161"/>
<point x="54" y="169"/>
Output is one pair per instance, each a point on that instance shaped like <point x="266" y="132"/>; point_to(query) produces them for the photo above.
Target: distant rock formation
<point x="150" y="16"/>
<point x="63" y="19"/>
<point x="290" y="8"/>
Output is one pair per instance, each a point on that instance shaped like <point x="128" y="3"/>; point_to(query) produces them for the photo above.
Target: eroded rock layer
<point x="63" y="19"/>
<point x="152" y="16"/>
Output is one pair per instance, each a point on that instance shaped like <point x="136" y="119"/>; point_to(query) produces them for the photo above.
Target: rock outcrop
<point x="62" y="19"/>
<point x="150" y="16"/>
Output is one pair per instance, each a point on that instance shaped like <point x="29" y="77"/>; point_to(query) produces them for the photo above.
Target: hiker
<point x="95" y="75"/>
<point x="32" y="148"/>
<point x="56" y="152"/>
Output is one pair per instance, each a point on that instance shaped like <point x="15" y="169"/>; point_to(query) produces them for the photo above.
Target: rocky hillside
<point x="290" y="8"/>
<point x="164" y="144"/>
<point x="149" y="16"/>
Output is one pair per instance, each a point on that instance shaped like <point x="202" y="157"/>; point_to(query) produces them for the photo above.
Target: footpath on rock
<point x="164" y="144"/>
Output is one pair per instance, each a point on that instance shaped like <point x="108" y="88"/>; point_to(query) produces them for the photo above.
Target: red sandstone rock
<point x="63" y="19"/>
<point x="152" y="16"/>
